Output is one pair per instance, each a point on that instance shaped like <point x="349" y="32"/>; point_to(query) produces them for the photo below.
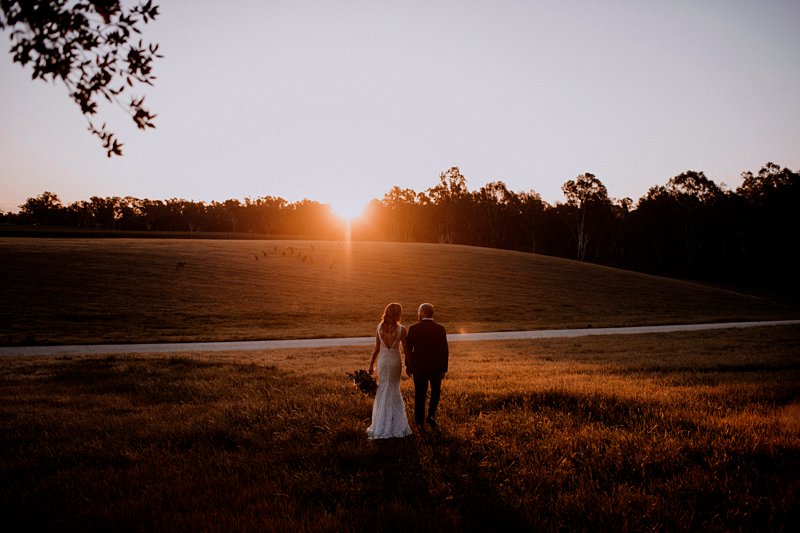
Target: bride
<point x="388" y="411"/>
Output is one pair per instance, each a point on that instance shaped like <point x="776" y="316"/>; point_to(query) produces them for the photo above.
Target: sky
<point x="339" y="101"/>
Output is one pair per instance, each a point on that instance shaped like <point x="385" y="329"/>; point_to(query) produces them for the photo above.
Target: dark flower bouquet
<point x="364" y="382"/>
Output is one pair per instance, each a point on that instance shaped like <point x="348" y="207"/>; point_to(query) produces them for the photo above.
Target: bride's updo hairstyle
<point x="391" y="317"/>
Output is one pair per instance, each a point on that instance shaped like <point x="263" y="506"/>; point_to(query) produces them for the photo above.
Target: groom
<point x="426" y="360"/>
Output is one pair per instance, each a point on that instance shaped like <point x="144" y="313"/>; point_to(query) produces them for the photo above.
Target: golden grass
<point x="678" y="431"/>
<point x="133" y="290"/>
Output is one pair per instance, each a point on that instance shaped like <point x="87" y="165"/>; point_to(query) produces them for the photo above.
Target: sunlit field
<point x="669" y="432"/>
<point x="144" y="290"/>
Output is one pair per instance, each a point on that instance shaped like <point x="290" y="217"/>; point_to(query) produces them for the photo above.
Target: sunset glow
<point x="348" y="210"/>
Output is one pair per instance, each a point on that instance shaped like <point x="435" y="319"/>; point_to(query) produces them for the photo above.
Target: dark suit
<point x="427" y="357"/>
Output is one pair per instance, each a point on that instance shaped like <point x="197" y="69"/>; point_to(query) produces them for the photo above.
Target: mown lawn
<point x="676" y="432"/>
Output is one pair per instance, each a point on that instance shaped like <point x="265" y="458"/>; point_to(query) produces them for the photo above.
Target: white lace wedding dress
<point x="389" y="417"/>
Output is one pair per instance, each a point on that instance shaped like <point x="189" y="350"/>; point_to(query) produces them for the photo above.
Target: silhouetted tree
<point x="680" y="227"/>
<point x="156" y="215"/>
<point x="696" y="198"/>
<point x="262" y="214"/>
<point x="495" y="207"/>
<point x="194" y="214"/>
<point x="104" y="212"/>
<point x="308" y="218"/>
<point x="772" y="185"/>
<point x="43" y="210"/>
<point x="772" y="233"/>
<point x="531" y="223"/>
<point x="451" y="198"/>
<point x="587" y="198"/>
<point x="130" y="214"/>
<point x="401" y="209"/>
<point x="233" y="210"/>
<point x="91" y="46"/>
<point x="616" y="247"/>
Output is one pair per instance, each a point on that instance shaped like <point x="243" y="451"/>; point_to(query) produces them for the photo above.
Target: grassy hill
<point x="141" y="290"/>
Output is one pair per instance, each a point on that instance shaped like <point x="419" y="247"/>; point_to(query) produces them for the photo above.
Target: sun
<point x="348" y="208"/>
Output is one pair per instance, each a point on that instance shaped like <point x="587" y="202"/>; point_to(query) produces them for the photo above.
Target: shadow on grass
<point x="462" y="489"/>
<point x="410" y="484"/>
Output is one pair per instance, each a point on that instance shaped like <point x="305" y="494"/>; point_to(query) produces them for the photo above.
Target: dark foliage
<point x="92" y="47"/>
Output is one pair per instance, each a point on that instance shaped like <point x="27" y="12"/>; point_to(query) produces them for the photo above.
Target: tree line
<point x="261" y="216"/>
<point x="689" y="227"/>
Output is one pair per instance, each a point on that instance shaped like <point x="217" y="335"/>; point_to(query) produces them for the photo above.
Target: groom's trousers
<point x="421" y="393"/>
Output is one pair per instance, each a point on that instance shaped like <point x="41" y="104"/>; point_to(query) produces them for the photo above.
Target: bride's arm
<point x="404" y="342"/>
<point x="374" y="354"/>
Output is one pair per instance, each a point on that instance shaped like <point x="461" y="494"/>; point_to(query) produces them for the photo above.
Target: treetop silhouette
<point x="90" y="46"/>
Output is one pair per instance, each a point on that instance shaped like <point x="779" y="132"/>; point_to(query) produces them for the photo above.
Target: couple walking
<point x="426" y="356"/>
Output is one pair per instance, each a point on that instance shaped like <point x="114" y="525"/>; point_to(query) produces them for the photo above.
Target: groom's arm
<point x="408" y="350"/>
<point x="445" y="351"/>
<point x="404" y="343"/>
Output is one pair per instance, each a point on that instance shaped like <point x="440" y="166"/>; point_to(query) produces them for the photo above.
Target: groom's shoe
<point x="431" y="421"/>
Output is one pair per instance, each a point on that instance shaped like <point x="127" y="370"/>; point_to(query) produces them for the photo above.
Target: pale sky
<point x="337" y="101"/>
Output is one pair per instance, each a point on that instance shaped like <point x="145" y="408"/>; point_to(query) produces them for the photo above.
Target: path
<point x="108" y="349"/>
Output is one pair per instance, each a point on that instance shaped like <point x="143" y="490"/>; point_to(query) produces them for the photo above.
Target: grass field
<point x="669" y="432"/>
<point x="144" y="290"/>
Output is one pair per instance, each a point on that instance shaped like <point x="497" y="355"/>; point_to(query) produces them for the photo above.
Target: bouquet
<point x="363" y="381"/>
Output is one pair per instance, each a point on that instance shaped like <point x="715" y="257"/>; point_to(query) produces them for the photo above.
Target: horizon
<point x="353" y="211"/>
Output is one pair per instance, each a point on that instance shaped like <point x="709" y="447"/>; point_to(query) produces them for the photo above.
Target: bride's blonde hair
<point x="391" y="317"/>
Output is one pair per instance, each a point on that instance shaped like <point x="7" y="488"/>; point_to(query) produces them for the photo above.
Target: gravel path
<point x="108" y="349"/>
